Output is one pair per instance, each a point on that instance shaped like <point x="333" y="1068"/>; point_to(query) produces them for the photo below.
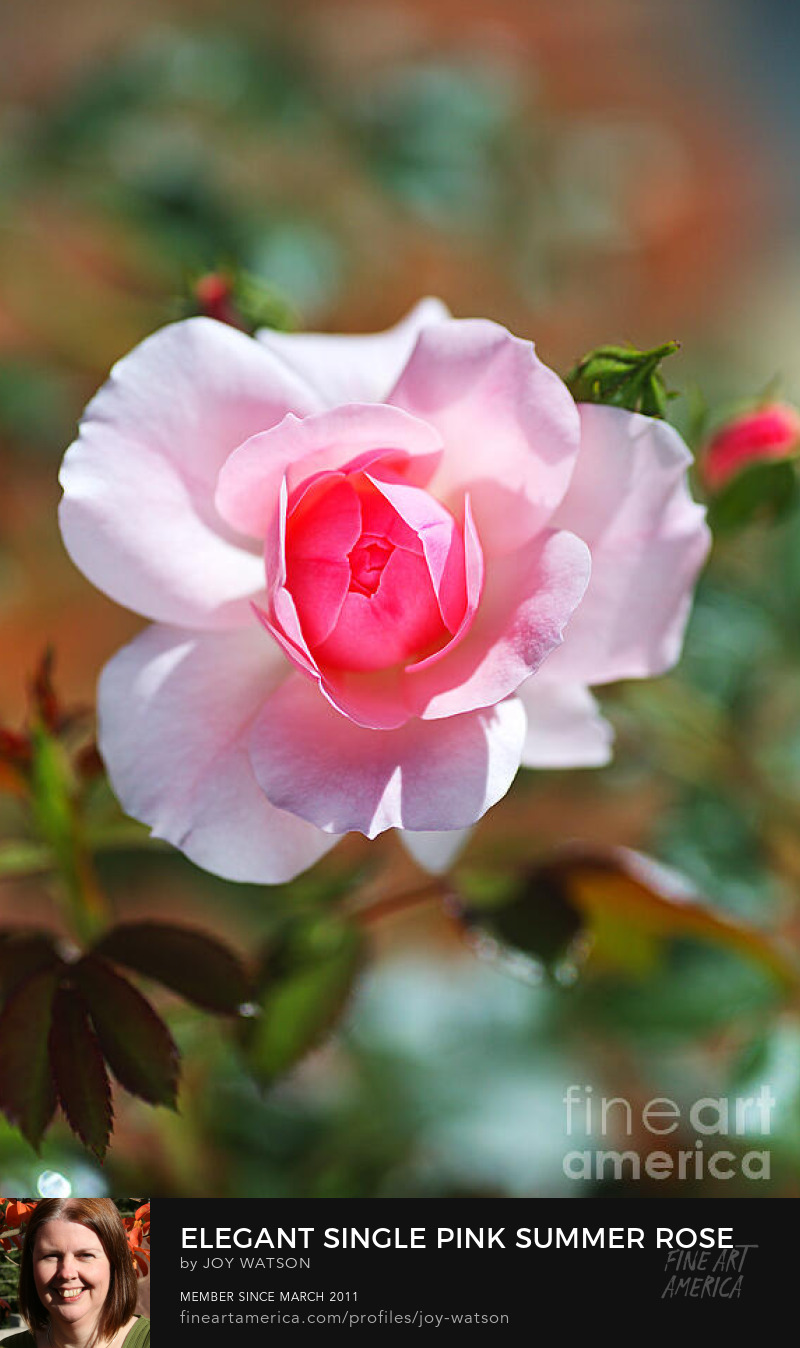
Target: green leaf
<point x="618" y="943"/>
<point x="531" y="912"/>
<point x="627" y="905"/>
<point x="135" y="1041"/>
<point x="80" y="1073"/>
<point x="262" y="305"/>
<point x="27" y="1092"/>
<point x="25" y="858"/>
<point x="621" y="376"/>
<point x="306" y="978"/>
<point x="693" y="991"/>
<point x="194" y="965"/>
<point x="619" y="891"/>
<point x="768" y="489"/>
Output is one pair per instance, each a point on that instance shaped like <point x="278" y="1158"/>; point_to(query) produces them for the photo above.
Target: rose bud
<point x="768" y="432"/>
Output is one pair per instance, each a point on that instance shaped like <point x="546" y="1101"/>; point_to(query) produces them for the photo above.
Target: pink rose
<point x="382" y="571"/>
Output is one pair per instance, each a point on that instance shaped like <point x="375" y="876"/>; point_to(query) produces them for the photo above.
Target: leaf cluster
<point x="67" y="1022"/>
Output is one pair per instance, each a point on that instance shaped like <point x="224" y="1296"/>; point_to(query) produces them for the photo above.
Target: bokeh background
<point x="582" y="173"/>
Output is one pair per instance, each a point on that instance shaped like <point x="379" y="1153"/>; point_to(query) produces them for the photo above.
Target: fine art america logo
<point x="713" y="1122"/>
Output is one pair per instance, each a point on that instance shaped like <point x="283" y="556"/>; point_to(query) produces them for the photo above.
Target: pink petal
<point x="381" y="699"/>
<point x="377" y="631"/>
<point x="442" y="544"/>
<point x="529" y="596"/>
<point x="345" y="369"/>
<point x="137" y="514"/>
<point x="528" y="599"/>
<point x="280" y="617"/>
<point x="398" y="615"/>
<point x="565" y="727"/>
<point x="434" y="852"/>
<point x="372" y="698"/>
<point x="312" y="761"/>
<point x="176" y="710"/>
<point x="324" y="518"/>
<point x="317" y="545"/>
<point x="285" y="628"/>
<point x="354" y="434"/>
<point x="509" y="425"/>
<point x="630" y="501"/>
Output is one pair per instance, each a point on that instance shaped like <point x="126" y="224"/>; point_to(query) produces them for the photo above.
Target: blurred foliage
<point x="303" y="980"/>
<point x="760" y="489"/>
<point x="232" y="152"/>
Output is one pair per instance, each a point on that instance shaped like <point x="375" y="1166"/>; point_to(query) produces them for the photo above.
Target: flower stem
<point x="83" y="903"/>
<point x="390" y="904"/>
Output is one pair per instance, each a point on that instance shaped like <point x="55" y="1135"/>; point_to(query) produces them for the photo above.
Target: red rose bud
<point x="767" y="432"/>
<point x="214" y="296"/>
<point x="242" y="301"/>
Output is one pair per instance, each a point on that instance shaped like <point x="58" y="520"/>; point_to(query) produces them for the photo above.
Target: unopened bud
<point x="769" y="432"/>
<point x="233" y="296"/>
<point x="214" y="297"/>
<point x="621" y="376"/>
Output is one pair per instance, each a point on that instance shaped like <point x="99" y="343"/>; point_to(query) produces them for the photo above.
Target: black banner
<point x="227" y="1270"/>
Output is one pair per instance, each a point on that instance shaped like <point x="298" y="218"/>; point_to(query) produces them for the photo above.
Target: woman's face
<point x="72" y="1273"/>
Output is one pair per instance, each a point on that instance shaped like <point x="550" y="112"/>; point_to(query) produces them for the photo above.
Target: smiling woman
<point x="77" y="1285"/>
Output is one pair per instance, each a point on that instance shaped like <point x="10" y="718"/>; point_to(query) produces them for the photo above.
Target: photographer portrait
<point x="77" y="1282"/>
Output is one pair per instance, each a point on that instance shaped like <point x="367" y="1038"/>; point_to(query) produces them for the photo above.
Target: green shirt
<point x="137" y="1337"/>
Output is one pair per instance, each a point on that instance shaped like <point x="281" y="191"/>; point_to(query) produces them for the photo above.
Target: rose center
<point x="367" y="561"/>
<point x="374" y="571"/>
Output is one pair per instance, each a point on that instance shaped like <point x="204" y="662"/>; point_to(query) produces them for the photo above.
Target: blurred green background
<point x="582" y="174"/>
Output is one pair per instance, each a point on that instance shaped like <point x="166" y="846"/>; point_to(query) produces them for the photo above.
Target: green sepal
<point x="621" y="376"/>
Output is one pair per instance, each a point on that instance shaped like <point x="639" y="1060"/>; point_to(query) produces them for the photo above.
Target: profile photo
<point x="83" y="1278"/>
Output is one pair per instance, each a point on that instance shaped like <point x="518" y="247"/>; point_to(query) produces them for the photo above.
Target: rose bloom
<point x="383" y="572"/>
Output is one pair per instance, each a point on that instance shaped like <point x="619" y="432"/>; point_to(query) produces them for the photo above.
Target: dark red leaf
<point x="195" y="965"/>
<point x="15" y="749"/>
<point x="23" y="953"/>
<point x="27" y="1092"/>
<point x="43" y="697"/>
<point x="80" y="1072"/>
<point x="88" y="763"/>
<point x="135" y="1041"/>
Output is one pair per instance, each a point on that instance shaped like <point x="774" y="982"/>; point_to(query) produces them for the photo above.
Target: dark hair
<point x="101" y="1216"/>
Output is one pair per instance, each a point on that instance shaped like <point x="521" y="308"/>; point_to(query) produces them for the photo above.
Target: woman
<point x="77" y="1285"/>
